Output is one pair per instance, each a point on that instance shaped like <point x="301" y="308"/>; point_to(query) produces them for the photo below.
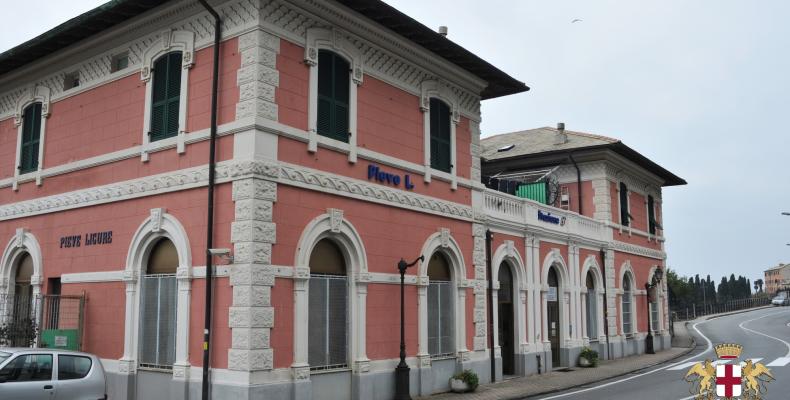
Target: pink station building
<point x="348" y="138"/>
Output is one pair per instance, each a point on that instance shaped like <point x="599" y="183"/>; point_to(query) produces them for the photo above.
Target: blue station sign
<point x="375" y="173"/>
<point x="552" y="219"/>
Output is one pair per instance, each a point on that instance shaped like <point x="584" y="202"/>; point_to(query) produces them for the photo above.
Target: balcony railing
<point x="509" y="209"/>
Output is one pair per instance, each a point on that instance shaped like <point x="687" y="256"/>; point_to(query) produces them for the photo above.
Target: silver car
<point x="50" y="374"/>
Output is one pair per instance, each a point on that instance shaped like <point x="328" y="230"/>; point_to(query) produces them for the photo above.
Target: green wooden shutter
<point x="31" y="134"/>
<point x="624" y="218"/>
<point x="333" y="96"/>
<point x="441" y="156"/>
<point x="166" y="96"/>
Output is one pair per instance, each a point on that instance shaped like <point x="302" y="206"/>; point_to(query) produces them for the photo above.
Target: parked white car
<point x="781" y="300"/>
<point x="50" y="374"/>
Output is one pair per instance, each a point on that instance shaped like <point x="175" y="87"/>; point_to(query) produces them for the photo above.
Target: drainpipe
<point x="578" y="180"/>
<point x="210" y="213"/>
<point x="605" y="305"/>
<point x="489" y="239"/>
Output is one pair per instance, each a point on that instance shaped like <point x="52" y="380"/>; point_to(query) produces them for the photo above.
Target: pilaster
<point x="251" y="317"/>
<point x="480" y="282"/>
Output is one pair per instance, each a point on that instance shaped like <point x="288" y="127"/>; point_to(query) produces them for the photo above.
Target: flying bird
<point x="576" y="20"/>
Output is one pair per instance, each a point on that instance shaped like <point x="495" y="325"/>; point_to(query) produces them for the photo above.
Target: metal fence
<point x="28" y="320"/>
<point x="698" y="310"/>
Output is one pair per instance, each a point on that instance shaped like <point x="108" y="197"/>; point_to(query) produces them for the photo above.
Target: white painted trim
<point x="627" y="270"/>
<point x="335" y="227"/>
<point x="158" y="225"/>
<point x="439" y="90"/>
<point x="23" y="242"/>
<point x="32" y="95"/>
<point x="443" y="242"/>
<point x="198" y="272"/>
<point x="591" y="266"/>
<point x="506" y="254"/>
<point x="336" y="41"/>
<point x="169" y="41"/>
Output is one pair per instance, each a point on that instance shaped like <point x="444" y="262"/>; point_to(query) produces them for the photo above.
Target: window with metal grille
<point x="592" y="308"/>
<point x="333" y="96"/>
<point x="651" y="215"/>
<point x="654" y="320"/>
<point x="440" y="136"/>
<point x="624" y="216"/>
<point x="328" y="308"/>
<point x="166" y="96"/>
<point x="31" y="135"/>
<point x="158" y="301"/>
<point x="441" y="319"/>
<point x="626" y="306"/>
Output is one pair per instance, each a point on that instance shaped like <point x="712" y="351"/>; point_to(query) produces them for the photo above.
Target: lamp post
<point x="402" y="370"/>
<point x="651" y="285"/>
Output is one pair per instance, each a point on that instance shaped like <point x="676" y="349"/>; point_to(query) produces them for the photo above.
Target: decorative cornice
<point x="335" y="184"/>
<point x="228" y="171"/>
<point x="638" y="250"/>
<point x="95" y="69"/>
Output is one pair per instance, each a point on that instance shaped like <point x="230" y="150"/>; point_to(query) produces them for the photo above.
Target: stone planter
<point x="458" y="386"/>
<point x="584" y="362"/>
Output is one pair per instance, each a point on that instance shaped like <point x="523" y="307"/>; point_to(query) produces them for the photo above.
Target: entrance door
<point x="553" y="317"/>
<point x="505" y="308"/>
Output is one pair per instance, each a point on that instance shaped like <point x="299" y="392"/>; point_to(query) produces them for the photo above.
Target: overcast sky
<point x="700" y="87"/>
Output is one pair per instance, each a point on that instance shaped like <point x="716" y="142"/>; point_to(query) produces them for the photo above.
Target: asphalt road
<point x="764" y="334"/>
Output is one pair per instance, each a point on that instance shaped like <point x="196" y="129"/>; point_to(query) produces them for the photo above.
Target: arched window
<point x="627" y="304"/>
<point x="166" y="96"/>
<point x="655" y="322"/>
<point x="31" y="136"/>
<point x="333" y="96"/>
<point x="440" y="136"/>
<point x="592" y="308"/>
<point x="158" y="297"/>
<point x="441" y="321"/>
<point x="23" y="291"/>
<point x="328" y="307"/>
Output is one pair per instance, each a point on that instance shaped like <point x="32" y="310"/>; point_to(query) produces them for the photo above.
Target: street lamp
<point x="651" y="285"/>
<point x="402" y="370"/>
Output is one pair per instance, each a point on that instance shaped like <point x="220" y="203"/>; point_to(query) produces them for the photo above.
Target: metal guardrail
<point x="699" y="310"/>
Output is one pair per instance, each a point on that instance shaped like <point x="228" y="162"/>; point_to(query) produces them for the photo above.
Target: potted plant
<point x="465" y="381"/>
<point x="588" y="358"/>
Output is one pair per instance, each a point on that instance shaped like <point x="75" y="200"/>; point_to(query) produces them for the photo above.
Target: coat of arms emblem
<point x="722" y="380"/>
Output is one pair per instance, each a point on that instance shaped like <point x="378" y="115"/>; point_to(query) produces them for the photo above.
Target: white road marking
<point x="779" y="362"/>
<point x="709" y="348"/>
<point x="682" y="366"/>
<point x="746" y="329"/>
<point x="741" y="325"/>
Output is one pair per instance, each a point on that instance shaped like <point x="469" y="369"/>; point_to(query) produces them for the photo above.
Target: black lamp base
<point x="649" y="345"/>
<point x="402" y="382"/>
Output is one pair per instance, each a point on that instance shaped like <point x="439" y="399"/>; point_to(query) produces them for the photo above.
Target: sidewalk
<point x="518" y="388"/>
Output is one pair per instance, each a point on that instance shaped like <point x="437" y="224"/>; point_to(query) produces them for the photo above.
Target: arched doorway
<point x="506" y="317"/>
<point x="158" y="298"/>
<point x="553" y="315"/>
<point x="22" y="313"/>
<point x="328" y="308"/>
<point x="441" y="307"/>
<point x="592" y="308"/>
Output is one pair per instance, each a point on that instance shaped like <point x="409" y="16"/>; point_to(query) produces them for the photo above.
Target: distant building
<point x="587" y="209"/>
<point x="777" y="278"/>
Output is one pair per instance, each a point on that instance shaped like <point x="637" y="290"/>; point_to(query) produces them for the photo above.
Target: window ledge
<point x="440" y="357"/>
<point x="330" y="370"/>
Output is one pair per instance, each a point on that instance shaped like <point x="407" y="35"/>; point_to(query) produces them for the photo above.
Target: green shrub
<point x="469" y="377"/>
<point x="591" y="356"/>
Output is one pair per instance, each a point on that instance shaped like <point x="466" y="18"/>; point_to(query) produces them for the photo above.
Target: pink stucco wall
<point x="641" y="267"/>
<point x="588" y="206"/>
<point x="105" y="308"/>
<point x="388" y="234"/>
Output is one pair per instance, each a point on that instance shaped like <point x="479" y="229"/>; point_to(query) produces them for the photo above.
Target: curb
<point x="551" y="391"/>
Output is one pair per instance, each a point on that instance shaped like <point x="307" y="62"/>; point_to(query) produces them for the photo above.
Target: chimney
<point x="443" y="30"/>
<point x="561" y="137"/>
